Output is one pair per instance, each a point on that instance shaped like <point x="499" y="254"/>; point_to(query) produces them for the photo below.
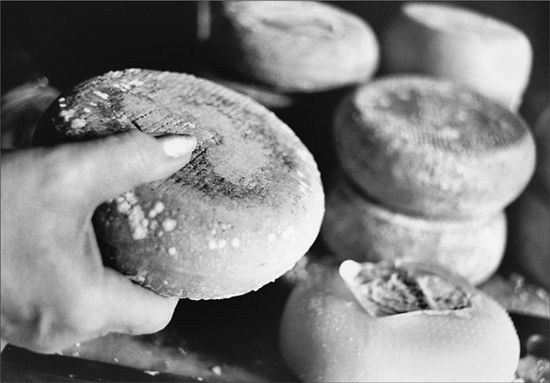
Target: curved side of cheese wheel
<point x="326" y="336"/>
<point x="243" y="211"/>
<point x="446" y="41"/>
<point x="296" y="46"/>
<point x="430" y="147"/>
<point x="356" y="228"/>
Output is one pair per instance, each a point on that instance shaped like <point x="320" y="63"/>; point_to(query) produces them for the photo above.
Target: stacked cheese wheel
<point x="427" y="169"/>
<point x="274" y="51"/>
<point x="296" y="58"/>
<point x="462" y="45"/>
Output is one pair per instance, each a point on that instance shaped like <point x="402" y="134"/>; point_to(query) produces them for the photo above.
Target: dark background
<point x="70" y="41"/>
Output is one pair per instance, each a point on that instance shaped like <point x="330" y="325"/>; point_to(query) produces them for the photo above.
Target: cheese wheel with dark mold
<point x="430" y="147"/>
<point x="244" y="210"/>
<point x="462" y="45"/>
<point x="362" y="230"/>
<point x="294" y="46"/>
<point x="402" y="322"/>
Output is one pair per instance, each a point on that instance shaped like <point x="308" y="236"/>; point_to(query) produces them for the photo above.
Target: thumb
<point x="107" y="167"/>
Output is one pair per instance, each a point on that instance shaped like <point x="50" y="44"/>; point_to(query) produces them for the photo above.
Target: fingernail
<point x="176" y="146"/>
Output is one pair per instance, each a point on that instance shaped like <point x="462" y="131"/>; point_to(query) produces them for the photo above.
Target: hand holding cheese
<point x="55" y="289"/>
<point x="242" y="213"/>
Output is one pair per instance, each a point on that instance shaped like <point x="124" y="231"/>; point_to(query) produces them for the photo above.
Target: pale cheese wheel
<point x="294" y="46"/>
<point x="429" y="147"/>
<point x="327" y="336"/>
<point x="468" y="47"/>
<point x="362" y="230"/>
<point x="244" y="210"/>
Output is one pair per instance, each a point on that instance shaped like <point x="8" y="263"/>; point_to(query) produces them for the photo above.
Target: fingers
<point x="107" y="167"/>
<point x="133" y="309"/>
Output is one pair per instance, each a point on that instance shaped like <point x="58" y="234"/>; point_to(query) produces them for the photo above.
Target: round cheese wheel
<point x="359" y="229"/>
<point x="244" y="210"/>
<point x="446" y="41"/>
<point x="297" y="46"/>
<point x="429" y="147"/>
<point x="415" y="324"/>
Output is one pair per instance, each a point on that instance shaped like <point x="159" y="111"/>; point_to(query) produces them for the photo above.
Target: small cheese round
<point x="244" y="210"/>
<point x="294" y="46"/>
<point x="430" y="147"/>
<point x="359" y="229"/>
<point x="468" y="47"/>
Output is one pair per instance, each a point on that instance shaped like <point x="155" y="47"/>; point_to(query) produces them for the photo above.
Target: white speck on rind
<point x="93" y="104"/>
<point x="235" y="242"/>
<point x="76" y="354"/>
<point x="128" y="205"/>
<point x="172" y="251"/>
<point x="222" y="243"/>
<point x="130" y="197"/>
<point x="62" y="99"/>
<point x="117" y="74"/>
<point x="271" y="237"/>
<point x="303" y="154"/>
<point x="124" y="207"/>
<point x="77" y="344"/>
<point x="78" y="123"/>
<point x="87" y="110"/>
<point x="104" y="96"/>
<point x="62" y="105"/>
<point x="152" y="373"/>
<point x="67" y="114"/>
<point x="169" y="224"/>
<point x="159" y="207"/>
<point x="217" y="370"/>
<point x="152" y="213"/>
<point x="115" y="360"/>
<point x="138" y="223"/>
<point x="289" y="231"/>
<point x="137" y="278"/>
<point x="212" y="244"/>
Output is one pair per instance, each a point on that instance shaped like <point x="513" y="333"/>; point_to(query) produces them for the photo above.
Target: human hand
<point x="55" y="289"/>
